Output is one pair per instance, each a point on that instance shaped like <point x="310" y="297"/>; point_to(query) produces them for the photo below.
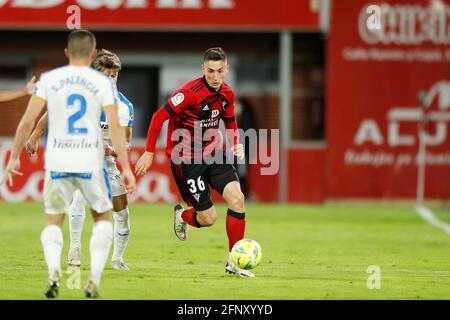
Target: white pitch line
<point x="429" y="217"/>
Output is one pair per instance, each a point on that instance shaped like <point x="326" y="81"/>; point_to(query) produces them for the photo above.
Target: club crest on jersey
<point x="177" y="99"/>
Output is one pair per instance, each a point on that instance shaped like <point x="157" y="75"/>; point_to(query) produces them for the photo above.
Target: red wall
<point x="306" y="180"/>
<point x="156" y="186"/>
<point x="369" y="79"/>
<point x="306" y="175"/>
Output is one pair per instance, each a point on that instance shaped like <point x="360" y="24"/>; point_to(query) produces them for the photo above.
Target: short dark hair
<point x="81" y="43"/>
<point x="215" y="54"/>
<point x="106" y="59"/>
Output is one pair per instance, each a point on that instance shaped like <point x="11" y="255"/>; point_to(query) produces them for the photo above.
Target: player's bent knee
<point x="104" y="216"/>
<point x="237" y="201"/>
<point x="210" y="220"/>
<point x="213" y="218"/>
<point x="120" y="203"/>
<point x="207" y="219"/>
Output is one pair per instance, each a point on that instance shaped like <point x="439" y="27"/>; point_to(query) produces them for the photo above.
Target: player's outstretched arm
<point x="118" y="140"/>
<point x="32" y="143"/>
<point x="8" y="95"/>
<point x="145" y="161"/>
<point x="34" y="108"/>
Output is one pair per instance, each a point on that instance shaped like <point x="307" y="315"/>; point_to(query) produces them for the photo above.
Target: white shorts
<point x="115" y="178"/>
<point x="60" y="186"/>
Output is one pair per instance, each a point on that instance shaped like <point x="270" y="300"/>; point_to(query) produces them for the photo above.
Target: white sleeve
<point x="110" y="95"/>
<point x="124" y="116"/>
<point x="39" y="89"/>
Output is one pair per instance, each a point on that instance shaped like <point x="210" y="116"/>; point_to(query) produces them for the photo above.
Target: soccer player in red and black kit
<point x="198" y="106"/>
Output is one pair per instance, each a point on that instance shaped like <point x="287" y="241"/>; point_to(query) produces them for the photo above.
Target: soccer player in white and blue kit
<point x="108" y="63"/>
<point x="75" y="96"/>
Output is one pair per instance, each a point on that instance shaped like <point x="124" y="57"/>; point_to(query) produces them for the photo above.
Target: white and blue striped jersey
<point x="126" y="119"/>
<point x="75" y="98"/>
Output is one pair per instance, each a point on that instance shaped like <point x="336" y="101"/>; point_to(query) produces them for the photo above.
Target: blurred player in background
<point x="108" y="63"/>
<point x="75" y="96"/>
<point x="7" y="95"/>
<point x="199" y="105"/>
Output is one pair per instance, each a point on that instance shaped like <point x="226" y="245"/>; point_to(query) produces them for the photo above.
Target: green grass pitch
<point x="309" y="252"/>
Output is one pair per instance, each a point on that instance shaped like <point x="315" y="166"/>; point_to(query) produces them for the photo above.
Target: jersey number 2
<point x="71" y="103"/>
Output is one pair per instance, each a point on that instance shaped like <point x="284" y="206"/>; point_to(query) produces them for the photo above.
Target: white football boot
<point x="119" y="265"/>
<point x="74" y="257"/>
<point x="232" y="268"/>
<point x="180" y="227"/>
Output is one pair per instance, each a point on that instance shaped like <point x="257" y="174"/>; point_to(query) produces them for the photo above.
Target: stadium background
<point x="347" y="102"/>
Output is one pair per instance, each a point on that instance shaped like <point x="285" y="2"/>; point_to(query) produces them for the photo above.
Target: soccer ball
<point x="246" y="254"/>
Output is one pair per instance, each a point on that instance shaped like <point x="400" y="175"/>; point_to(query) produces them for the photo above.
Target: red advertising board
<point x="385" y="62"/>
<point x="156" y="186"/>
<point x="206" y="15"/>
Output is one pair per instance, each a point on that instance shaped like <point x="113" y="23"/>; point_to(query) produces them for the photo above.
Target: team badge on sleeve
<point x="177" y="99"/>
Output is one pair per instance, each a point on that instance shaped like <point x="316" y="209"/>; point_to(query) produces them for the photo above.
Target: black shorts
<point x="194" y="180"/>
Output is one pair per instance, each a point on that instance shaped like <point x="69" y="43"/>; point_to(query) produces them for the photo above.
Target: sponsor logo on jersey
<point x="205" y="108"/>
<point x="74" y="143"/>
<point x="197" y="196"/>
<point x="209" y="123"/>
<point x="177" y="99"/>
<point x="214" y="113"/>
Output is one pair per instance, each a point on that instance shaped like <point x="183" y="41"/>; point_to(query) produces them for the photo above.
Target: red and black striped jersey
<point x="197" y="108"/>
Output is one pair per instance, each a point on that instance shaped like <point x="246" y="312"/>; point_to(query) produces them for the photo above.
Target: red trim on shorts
<point x="223" y="174"/>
